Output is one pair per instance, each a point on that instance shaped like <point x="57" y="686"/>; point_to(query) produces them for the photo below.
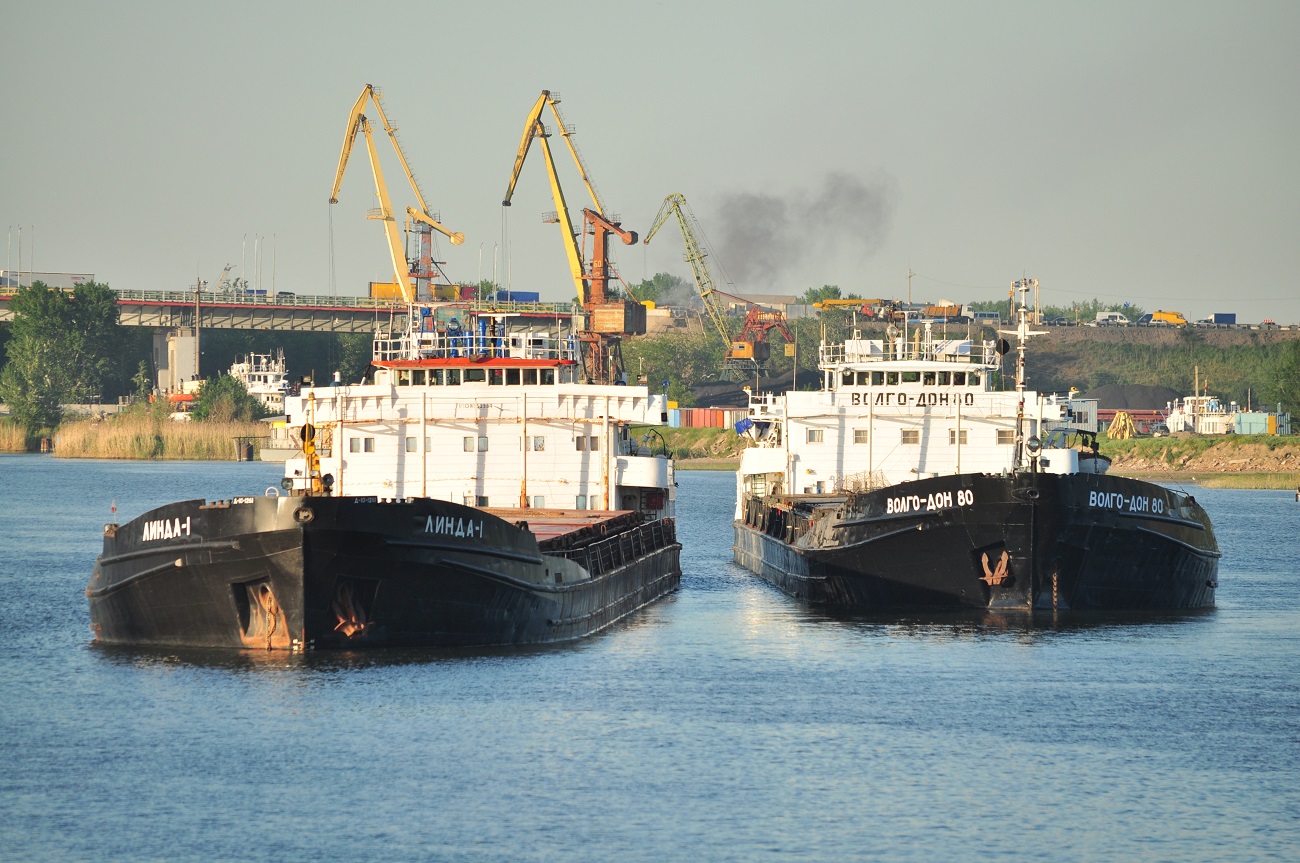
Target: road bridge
<point x="176" y="316"/>
<point x="167" y="310"/>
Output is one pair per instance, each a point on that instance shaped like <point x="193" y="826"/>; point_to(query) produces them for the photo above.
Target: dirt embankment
<point x="1195" y="456"/>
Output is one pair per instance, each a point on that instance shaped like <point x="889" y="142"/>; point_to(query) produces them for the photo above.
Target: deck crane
<point x="608" y="319"/>
<point x="747" y="354"/>
<point x="408" y="282"/>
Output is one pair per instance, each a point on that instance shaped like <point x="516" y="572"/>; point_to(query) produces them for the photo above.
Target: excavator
<point x="748" y="353"/>
<point x="409" y="283"/>
<point x="607" y="319"/>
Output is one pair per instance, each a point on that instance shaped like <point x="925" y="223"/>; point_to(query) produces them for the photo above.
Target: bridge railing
<point x="290" y="299"/>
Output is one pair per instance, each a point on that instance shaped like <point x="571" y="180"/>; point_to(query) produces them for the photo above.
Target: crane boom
<point x="396" y="248"/>
<point x="675" y="204"/>
<point x="358" y="124"/>
<point x="566" y="132"/>
<point x="589" y="285"/>
<point x="607" y="320"/>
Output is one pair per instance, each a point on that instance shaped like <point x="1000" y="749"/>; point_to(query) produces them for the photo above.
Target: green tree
<point x="825" y="292"/>
<point x="1285" y="382"/>
<point x="62" y="346"/>
<point x="682" y="360"/>
<point x="665" y="289"/>
<point x="224" y="399"/>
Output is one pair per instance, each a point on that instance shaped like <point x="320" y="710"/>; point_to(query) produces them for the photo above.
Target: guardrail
<point x="287" y="299"/>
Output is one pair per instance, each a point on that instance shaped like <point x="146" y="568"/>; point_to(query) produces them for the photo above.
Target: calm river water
<point x="725" y="723"/>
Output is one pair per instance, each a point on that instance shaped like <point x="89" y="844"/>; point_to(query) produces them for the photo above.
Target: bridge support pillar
<point x="175" y="358"/>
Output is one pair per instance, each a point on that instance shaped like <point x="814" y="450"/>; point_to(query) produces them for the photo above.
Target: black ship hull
<point x="1025" y="541"/>
<point x="298" y="573"/>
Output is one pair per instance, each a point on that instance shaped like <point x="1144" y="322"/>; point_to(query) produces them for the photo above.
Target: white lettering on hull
<point x="929" y="503"/>
<point x="165" y="528"/>
<point x="447" y="525"/>
<point x="1140" y="504"/>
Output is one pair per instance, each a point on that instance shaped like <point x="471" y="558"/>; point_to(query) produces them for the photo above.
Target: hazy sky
<point x="1140" y="151"/>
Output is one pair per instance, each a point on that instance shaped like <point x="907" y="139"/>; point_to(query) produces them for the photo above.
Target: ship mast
<point x="1022" y="332"/>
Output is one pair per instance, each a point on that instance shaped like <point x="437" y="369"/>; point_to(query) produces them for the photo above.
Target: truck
<point x="947" y="312"/>
<point x="988" y="319"/>
<point x="1110" y="319"/>
<point x="1161" y="318"/>
<point x="1218" y="319"/>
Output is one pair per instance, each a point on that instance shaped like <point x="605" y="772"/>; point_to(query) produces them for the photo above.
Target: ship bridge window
<point x="530" y="377"/>
<point x="546" y="376"/>
<point x="846" y="379"/>
<point x="911" y="377"/>
<point x="927" y="379"/>
<point x="496" y="377"/>
<point x="973" y="379"/>
<point x="891" y="378"/>
<point x="864" y="379"/>
<point x="959" y="379"/>
<point x="417" y="377"/>
<point x="403" y="377"/>
<point x="877" y="379"/>
<point x="512" y="377"/>
<point x="453" y="377"/>
<point x="945" y="379"/>
<point x="474" y="376"/>
<point x="435" y="377"/>
<point x="566" y="375"/>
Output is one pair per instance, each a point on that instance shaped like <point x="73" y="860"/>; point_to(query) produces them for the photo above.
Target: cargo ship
<point x="473" y="489"/>
<point x="912" y="480"/>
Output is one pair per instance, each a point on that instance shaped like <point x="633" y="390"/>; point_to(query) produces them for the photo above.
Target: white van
<point x="1110" y="319"/>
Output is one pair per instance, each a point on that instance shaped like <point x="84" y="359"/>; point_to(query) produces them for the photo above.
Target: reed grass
<point x="1289" y="481"/>
<point x="13" y="437"/>
<point x="146" y="436"/>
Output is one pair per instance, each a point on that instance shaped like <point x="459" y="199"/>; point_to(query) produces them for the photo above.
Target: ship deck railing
<point x="607" y="555"/>
<point x="831" y="356"/>
<point x="437" y="345"/>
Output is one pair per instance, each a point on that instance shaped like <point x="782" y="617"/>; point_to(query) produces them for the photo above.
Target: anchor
<point x="999" y="574"/>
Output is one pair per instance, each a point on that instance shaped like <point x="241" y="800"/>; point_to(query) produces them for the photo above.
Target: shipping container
<point x="621" y="317"/>
<point x="514" y="297"/>
<point x="385" y="291"/>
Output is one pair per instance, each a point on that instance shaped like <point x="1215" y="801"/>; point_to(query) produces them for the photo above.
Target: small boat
<point x="266" y="377"/>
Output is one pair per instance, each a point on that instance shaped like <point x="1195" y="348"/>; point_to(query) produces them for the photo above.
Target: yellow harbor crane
<point x="607" y="319"/>
<point x="408" y="282"/>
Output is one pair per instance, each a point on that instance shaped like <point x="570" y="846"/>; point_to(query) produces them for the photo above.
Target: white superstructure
<point x="266" y="378"/>
<point x="485" y="409"/>
<point x="907" y="407"/>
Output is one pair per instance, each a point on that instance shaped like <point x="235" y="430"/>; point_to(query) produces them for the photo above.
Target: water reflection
<point x="327" y="661"/>
<point x="976" y="622"/>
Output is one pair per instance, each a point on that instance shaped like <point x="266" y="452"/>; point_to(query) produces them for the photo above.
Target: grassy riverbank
<point x="147" y="436"/>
